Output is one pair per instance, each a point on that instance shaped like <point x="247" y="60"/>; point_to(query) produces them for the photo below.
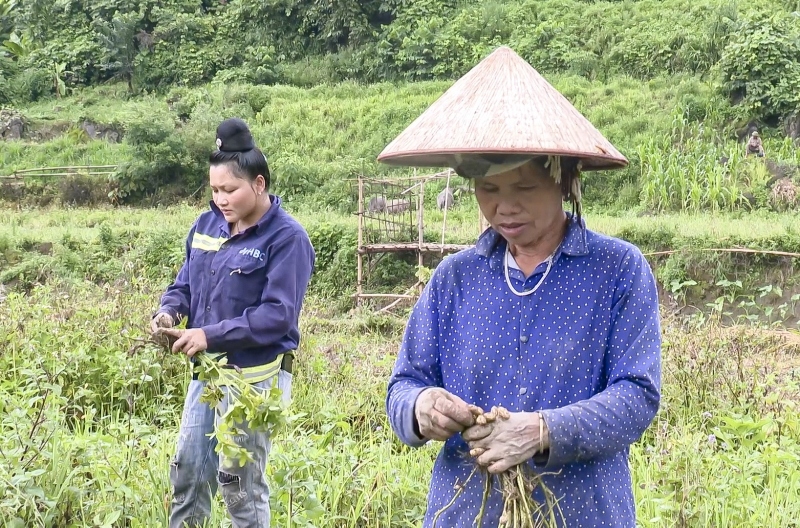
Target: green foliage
<point x="695" y="168"/>
<point x="88" y="418"/>
<point x="164" y="158"/>
<point x="309" y="27"/>
<point x="335" y="247"/>
<point x="159" y="153"/>
<point x="317" y="139"/>
<point x="183" y="51"/>
<point x="19" y="85"/>
<point x="7" y="8"/>
<point x="118" y="39"/>
<point x="409" y="42"/>
<point x="761" y="66"/>
<point x="303" y="42"/>
<point x="631" y="68"/>
<point x="258" y="67"/>
<point x="245" y="408"/>
<point x="82" y="190"/>
<point x="687" y="175"/>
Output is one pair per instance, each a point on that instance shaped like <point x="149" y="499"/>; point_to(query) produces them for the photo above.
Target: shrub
<point x="335" y="247"/>
<point x="81" y="190"/>
<point x="760" y="67"/>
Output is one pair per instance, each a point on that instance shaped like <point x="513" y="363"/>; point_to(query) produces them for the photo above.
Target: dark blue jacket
<point x="244" y="291"/>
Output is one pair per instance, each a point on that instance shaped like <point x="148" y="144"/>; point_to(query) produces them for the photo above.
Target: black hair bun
<point x="233" y="135"/>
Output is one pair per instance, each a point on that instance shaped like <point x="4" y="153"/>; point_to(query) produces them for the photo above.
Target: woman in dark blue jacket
<point x="247" y="268"/>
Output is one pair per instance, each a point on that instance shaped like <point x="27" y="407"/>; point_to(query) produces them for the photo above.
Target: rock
<point x="100" y="131"/>
<point x="12" y="124"/>
<point x="445" y="199"/>
<point x="780" y="170"/>
<point x="791" y="127"/>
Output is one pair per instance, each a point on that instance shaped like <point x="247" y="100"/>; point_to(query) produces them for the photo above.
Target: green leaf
<point x="112" y="517"/>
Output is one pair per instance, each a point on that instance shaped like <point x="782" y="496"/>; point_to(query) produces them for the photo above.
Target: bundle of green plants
<point x="248" y="409"/>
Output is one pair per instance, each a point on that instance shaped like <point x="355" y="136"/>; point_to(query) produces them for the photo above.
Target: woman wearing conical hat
<point x="545" y="318"/>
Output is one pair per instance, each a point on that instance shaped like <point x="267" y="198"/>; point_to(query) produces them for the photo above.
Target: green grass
<point x="673" y="130"/>
<point x="51" y="224"/>
<point x="92" y="244"/>
<point x="85" y="428"/>
<point x="317" y="137"/>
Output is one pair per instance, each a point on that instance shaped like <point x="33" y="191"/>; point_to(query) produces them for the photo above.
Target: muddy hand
<point x="504" y="443"/>
<point x="161" y="320"/>
<point x="441" y="414"/>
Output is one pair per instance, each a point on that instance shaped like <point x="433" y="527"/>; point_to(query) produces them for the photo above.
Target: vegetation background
<point x="87" y="429"/>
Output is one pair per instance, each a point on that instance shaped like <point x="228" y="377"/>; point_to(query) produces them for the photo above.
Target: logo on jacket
<point x="253" y="252"/>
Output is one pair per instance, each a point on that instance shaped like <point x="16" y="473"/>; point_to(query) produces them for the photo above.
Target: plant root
<point x="517" y="487"/>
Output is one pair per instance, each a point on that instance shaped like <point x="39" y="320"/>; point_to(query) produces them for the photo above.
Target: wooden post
<point x="360" y="238"/>
<point x="420" y="227"/>
<point x="444" y="217"/>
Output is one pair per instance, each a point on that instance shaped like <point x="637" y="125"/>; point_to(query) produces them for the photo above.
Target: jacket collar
<point x="492" y="245"/>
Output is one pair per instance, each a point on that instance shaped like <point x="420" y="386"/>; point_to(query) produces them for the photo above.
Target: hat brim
<point x="448" y="158"/>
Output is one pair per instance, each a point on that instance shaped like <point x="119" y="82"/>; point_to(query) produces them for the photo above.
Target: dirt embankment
<point x="16" y="126"/>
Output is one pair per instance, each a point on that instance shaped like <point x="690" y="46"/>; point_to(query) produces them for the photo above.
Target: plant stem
<point x="487" y="489"/>
<point x="453" y="500"/>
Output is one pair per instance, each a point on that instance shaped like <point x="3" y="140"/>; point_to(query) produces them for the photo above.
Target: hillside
<point x="157" y="45"/>
<point x="676" y="85"/>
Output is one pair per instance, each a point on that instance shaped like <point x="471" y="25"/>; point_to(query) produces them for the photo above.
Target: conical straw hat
<point x="501" y="112"/>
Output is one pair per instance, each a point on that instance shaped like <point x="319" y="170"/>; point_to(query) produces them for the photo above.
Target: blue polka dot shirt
<point x="584" y="350"/>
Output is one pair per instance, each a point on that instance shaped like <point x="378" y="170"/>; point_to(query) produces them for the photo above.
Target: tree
<point x="760" y="67"/>
<point x="118" y="39"/>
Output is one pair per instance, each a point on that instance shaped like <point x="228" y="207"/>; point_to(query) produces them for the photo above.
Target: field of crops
<point x="89" y="416"/>
<point x="88" y="428"/>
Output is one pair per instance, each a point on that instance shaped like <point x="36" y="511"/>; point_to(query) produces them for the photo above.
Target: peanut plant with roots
<point x="517" y="486"/>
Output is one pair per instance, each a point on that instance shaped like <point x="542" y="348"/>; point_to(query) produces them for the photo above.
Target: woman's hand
<point x="503" y="444"/>
<point x="441" y="414"/>
<point x="190" y="341"/>
<point x="161" y="320"/>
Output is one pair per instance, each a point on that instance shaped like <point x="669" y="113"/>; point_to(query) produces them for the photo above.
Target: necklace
<point x="538" y="284"/>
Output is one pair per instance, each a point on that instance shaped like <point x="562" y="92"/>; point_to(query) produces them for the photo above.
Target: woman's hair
<point x="571" y="184"/>
<point x="566" y="171"/>
<point x="236" y="148"/>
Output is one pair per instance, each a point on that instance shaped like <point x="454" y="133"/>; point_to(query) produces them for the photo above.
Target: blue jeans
<point x="195" y="471"/>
